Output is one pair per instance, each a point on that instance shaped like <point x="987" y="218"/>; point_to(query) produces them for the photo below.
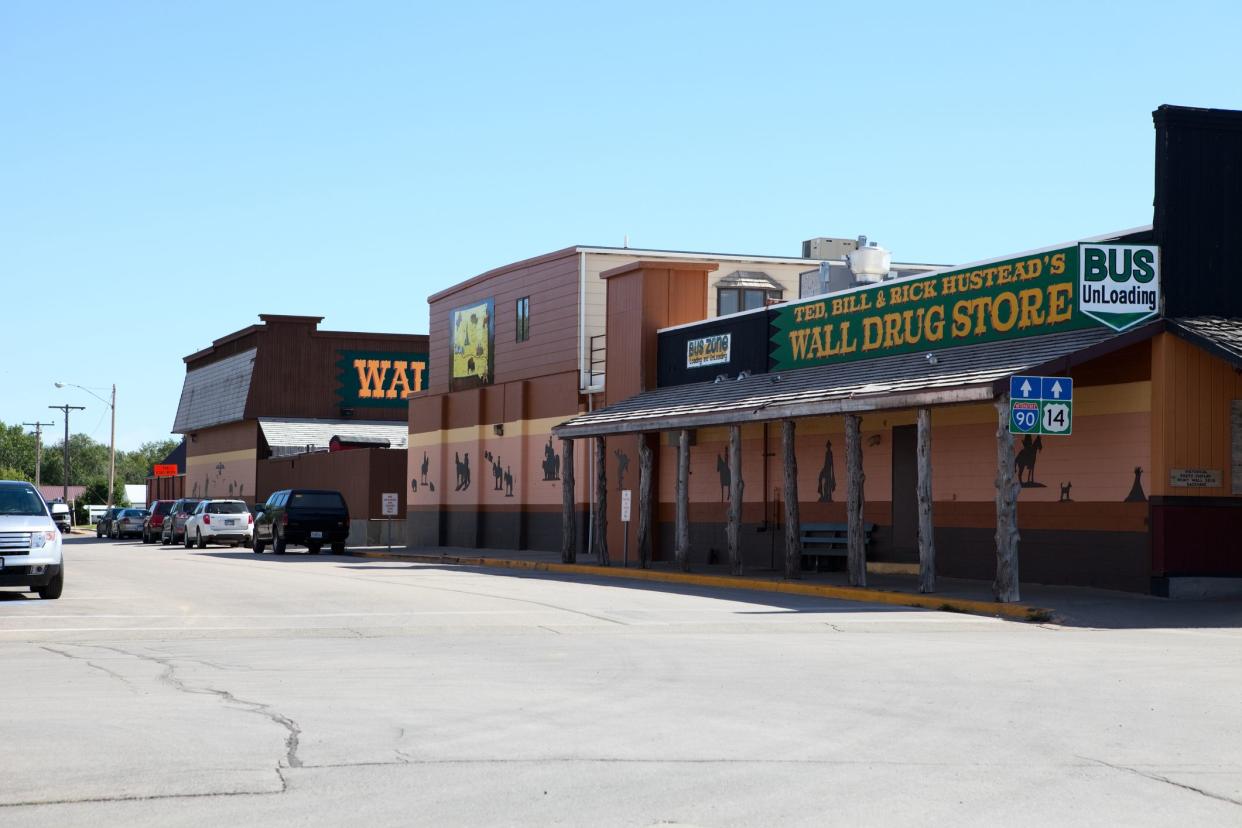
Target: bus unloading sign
<point x="1118" y="284"/>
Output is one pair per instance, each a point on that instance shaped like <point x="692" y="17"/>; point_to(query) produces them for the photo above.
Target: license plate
<point x="316" y="535"/>
<point x="230" y="523"/>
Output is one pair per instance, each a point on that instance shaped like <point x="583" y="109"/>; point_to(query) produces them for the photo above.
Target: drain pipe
<point x="584" y="383"/>
<point x="594" y="497"/>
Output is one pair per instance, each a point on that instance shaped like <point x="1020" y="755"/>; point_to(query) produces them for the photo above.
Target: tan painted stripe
<point x="221" y="457"/>
<point x="470" y="434"/>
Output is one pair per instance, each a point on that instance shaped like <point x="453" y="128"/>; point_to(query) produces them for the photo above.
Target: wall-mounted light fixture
<point x="499" y="429"/>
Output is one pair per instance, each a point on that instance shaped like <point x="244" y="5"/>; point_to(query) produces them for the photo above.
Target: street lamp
<point x="111" y="443"/>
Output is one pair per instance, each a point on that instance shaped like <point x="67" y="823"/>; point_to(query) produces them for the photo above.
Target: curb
<point x="1014" y="612"/>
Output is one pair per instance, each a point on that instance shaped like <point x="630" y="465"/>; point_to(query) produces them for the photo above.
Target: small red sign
<point x="165" y="469"/>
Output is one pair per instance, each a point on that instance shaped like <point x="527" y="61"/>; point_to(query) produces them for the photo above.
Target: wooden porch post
<point x="644" y="500"/>
<point x="793" y="521"/>
<point x="682" y="550"/>
<point x="854" y="501"/>
<point x="569" y="522"/>
<point x="927" y="539"/>
<point x="1005" y="587"/>
<point x="601" y="500"/>
<point x="734" y="529"/>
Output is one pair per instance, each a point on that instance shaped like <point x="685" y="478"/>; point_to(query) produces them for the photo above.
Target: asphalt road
<point x="175" y="687"/>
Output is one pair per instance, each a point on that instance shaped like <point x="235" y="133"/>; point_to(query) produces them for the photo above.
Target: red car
<point x="154" y="523"/>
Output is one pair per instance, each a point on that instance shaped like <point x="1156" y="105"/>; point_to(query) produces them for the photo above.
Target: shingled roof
<point x="968" y="373"/>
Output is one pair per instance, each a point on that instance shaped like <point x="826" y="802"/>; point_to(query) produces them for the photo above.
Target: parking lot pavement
<point x="172" y="686"/>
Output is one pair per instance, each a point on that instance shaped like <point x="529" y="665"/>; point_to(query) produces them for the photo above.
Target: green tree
<point x="17" y="450"/>
<point x="135" y="466"/>
<point x="88" y="460"/>
<point x="97" y="493"/>
<point x="11" y="473"/>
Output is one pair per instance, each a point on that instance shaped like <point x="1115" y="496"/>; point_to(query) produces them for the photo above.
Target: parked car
<point x="61" y="516"/>
<point x="173" y="530"/>
<point x="104" y="526"/>
<point x="153" y="524"/>
<point x="29" y="541"/>
<point x="127" y="523"/>
<point x="313" y="518"/>
<point x="219" y="521"/>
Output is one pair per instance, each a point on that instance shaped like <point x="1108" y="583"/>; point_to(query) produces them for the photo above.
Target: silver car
<point x="29" y="542"/>
<point x="128" y="523"/>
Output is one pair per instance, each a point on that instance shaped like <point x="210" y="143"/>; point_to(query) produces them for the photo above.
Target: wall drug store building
<point x="283" y="404"/>
<point x="1143" y="495"/>
<point x="520" y="348"/>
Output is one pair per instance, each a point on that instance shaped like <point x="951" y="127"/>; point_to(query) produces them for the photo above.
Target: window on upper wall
<point x="733" y="300"/>
<point x="523" y="319"/>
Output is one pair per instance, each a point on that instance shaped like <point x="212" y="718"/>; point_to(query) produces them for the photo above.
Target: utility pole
<point x="38" y="433"/>
<point x="66" y="409"/>
<point x="112" y="449"/>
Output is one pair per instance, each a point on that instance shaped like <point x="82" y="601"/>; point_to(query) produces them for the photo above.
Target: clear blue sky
<point x="170" y="170"/>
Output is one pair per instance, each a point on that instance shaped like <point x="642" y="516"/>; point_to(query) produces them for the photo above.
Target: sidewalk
<point x="953" y="595"/>
<point x="1064" y="605"/>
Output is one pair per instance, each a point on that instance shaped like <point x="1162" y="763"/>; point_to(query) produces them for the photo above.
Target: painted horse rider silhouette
<point x="725" y="478"/>
<point x="1025" y="461"/>
<point x="827" y="476"/>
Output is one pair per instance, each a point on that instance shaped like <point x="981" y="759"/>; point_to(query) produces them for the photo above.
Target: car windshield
<point x="316" y="500"/>
<point x="162" y="508"/>
<point x="132" y="513"/>
<point x="226" y="508"/>
<point x="21" y="500"/>
<point x="189" y="506"/>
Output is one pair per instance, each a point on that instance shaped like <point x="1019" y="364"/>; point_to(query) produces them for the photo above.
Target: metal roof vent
<point x="870" y="263"/>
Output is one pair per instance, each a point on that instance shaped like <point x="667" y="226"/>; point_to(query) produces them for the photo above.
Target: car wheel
<point x="338" y="548"/>
<point x="278" y="544"/>
<point x="146" y="537"/>
<point x="202" y="543"/>
<point x="188" y="541"/>
<point x="256" y="545"/>
<point x="98" y="531"/>
<point x="313" y="548"/>
<point x="54" y="587"/>
<point x="112" y="533"/>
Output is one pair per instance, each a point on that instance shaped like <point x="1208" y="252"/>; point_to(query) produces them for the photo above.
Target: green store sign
<point x="370" y="379"/>
<point x="1026" y="296"/>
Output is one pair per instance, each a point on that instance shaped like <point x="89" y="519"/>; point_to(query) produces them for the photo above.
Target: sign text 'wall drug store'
<point x="1025" y="296"/>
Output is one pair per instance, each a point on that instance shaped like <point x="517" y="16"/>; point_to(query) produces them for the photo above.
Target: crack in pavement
<point x="90" y="663"/>
<point x="170" y="677"/>
<point x="1155" y="777"/>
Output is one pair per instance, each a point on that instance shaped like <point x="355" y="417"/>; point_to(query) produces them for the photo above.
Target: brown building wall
<point x="360" y="475"/>
<point x="296" y="374"/>
<point x="165" y="488"/>
<point x="482" y="470"/>
<point x="551" y="282"/>
<point x="1195" y="531"/>
<point x="220" y="461"/>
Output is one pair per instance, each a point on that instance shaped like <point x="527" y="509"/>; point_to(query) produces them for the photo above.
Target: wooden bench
<point x="829" y="540"/>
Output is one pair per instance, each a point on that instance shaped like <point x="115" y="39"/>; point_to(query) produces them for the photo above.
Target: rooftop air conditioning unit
<point x="870" y="263"/>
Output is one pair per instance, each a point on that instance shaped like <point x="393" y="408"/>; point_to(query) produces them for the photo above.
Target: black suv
<point x="308" y="517"/>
